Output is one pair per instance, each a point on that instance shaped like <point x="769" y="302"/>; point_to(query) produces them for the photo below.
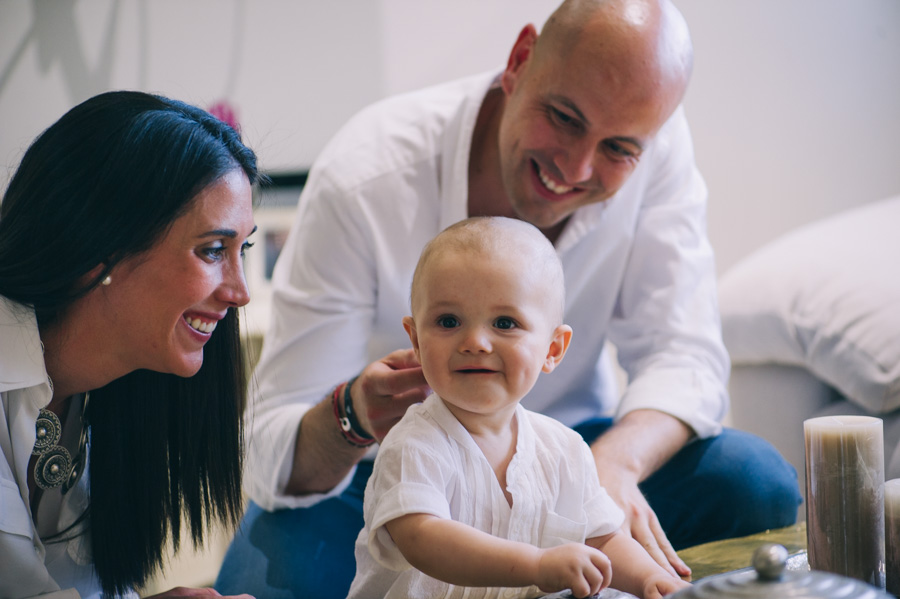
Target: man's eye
<point x="562" y="118"/>
<point x="447" y="322"/>
<point x="505" y="323"/>
<point x="618" y="150"/>
<point x="246" y="246"/>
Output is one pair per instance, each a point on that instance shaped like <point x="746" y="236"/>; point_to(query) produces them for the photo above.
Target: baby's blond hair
<point x="486" y="236"/>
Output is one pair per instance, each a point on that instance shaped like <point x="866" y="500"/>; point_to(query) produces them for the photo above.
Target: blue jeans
<point x="732" y="485"/>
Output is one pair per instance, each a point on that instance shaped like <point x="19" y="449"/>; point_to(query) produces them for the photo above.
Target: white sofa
<point x="812" y="323"/>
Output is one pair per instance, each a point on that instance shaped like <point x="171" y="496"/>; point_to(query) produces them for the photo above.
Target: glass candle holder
<point x="892" y="536"/>
<point x="845" y="496"/>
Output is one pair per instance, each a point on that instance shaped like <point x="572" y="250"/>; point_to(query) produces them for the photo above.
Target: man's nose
<point x="576" y="162"/>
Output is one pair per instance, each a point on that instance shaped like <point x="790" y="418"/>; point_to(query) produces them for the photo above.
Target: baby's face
<point x="483" y="330"/>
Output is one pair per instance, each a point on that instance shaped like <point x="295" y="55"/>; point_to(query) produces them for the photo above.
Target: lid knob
<point x="769" y="561"/>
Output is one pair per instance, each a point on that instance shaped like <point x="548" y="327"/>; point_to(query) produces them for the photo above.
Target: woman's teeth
<point x="199" y="325"/>
<point x="551" y="185"/>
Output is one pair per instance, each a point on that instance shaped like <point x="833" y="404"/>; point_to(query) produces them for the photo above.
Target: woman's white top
<point x="28" y="567"/>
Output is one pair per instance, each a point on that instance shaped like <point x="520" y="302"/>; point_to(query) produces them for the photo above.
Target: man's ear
<point x="410" y="325"/>
<point x="562" y="336"/>
<point x="518" y="57"/>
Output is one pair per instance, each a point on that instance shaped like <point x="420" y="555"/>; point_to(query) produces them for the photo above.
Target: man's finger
<point x="641" y="533"/>
<point x="396" y="382"/>
<point x="401" y="359"/>
<point x="681" y="568"/>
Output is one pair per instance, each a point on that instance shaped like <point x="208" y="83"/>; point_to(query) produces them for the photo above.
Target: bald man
<point x="582" y="135"/>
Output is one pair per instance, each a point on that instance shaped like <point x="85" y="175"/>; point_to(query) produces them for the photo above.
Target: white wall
<point x="795" y="110"/>
<point x="295" y="70"/>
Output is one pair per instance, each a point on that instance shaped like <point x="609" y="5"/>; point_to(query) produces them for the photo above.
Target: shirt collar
<point x="457" y="144"/>
<point x="21" y="354"/>
<point x="525" y="445"/>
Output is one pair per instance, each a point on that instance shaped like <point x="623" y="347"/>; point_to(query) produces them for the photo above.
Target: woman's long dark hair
<point x="104" y="183"/>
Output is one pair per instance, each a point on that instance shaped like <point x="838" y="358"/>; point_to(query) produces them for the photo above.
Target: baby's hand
<point x="576" y="566"/>
<point x="663" y="585"/>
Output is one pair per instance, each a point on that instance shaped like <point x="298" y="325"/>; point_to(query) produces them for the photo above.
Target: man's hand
<point x="385" y="389"/>
<point x="641" y="522"/>
<point x="584" y="570"/>
<point x="381" y="394"/>
<point x="628" y="453"/>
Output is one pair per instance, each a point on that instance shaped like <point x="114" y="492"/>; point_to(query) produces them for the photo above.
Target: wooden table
<point x="720" y="557"/>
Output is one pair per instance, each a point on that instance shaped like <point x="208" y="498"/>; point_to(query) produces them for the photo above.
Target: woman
<point x="121" y="243"/>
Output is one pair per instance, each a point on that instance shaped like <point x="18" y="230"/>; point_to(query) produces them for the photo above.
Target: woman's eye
<point x="447" y="322"/>
<point x="214" y="253"/>
<point x="505" y="323"/>
<point x="246" y="246"/>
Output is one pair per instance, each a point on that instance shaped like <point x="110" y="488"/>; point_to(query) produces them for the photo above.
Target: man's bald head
<point x="647" y="40"/>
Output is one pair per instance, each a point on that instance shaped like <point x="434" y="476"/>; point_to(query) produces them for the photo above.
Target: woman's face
<point x="164" y="304"/>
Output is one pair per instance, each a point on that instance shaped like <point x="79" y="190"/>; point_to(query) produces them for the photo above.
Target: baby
<point x="469" y="489"/>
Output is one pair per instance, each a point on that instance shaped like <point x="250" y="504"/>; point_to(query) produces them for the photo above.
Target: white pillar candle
<point x="892" y="535"/>
<point x="845" y="496"/>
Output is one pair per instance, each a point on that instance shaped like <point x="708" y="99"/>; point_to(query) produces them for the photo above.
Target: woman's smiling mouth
<point x="201" y="326"/>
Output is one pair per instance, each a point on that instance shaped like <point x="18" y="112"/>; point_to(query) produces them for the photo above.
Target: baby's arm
<point x="634" y="571"/>
<point x="459" y="554"/>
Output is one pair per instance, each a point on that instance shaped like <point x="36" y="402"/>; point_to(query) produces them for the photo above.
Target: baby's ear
<point x="562" y="336"/>
<point x="410" y="325"/>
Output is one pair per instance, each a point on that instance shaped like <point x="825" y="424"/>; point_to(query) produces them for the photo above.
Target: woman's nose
<point x="234" y="290"/>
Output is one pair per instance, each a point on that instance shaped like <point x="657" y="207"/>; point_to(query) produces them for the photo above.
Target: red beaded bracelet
<point x="347" y="429"/>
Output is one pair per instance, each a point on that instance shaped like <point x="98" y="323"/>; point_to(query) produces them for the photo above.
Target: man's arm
<point x="380" y="395"/>
<point x="633" y="449"/>
<point x="668" y="338"/>
<point x="326" y="316"/>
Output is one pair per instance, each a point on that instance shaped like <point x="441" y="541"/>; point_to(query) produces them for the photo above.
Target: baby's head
<point x="487" y="305"/>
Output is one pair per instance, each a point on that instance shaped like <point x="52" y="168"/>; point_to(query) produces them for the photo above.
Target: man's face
<point x="574" y="126"/>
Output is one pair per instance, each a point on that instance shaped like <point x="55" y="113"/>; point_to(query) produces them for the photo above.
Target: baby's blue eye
<point x="505" y="323"/>
<point x="447" y="321"/>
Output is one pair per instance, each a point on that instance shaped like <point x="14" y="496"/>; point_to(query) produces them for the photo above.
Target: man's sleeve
<point x="321" y="318"/>
<point x="666" y="325"/>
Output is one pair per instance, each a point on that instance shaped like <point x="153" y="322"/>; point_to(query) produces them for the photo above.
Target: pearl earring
<point x="106" y="281"/>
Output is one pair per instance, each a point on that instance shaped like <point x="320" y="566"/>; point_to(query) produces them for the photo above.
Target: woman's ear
<point x="559" y="344"/>
<point x="410" y="325"/>
<point x="93" y="275"/>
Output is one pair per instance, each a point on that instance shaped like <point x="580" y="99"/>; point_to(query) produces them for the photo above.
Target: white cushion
<point x="825" y="296"/>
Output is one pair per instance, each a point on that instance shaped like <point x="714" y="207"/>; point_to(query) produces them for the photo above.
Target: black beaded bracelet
<point x="343" y="424"/>
<point x="355" y="427"/>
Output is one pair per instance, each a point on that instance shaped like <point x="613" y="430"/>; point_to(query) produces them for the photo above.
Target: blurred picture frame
<point x="276" y="207"/>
